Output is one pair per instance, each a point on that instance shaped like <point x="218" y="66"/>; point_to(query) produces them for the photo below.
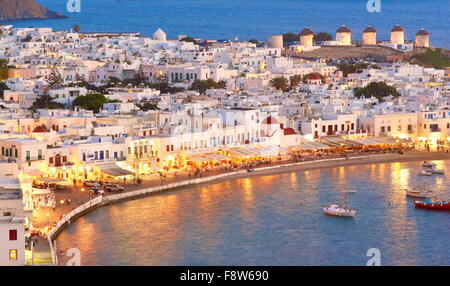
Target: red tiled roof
<point x="314" y="76"/>
<point x="289" y="131"/>
<point x="40" y="129"/>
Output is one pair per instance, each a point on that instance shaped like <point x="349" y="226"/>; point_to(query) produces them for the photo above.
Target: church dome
<point x="159" y="35"/>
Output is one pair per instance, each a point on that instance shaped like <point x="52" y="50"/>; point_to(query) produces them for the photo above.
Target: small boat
<point x="437" y="171"/>
<point x="418" y="194"/>
<point x="425" y="173"/>
<point x="351" y="191"/>
<point x="340" y="210"/>
<point x="432" y="205"/>
<point x="337" y="210"/>
<point x="428" y="164"/>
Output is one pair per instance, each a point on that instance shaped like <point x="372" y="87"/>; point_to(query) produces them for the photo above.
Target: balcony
<point x="62" y="164"/>
<point x="37" y="158"/>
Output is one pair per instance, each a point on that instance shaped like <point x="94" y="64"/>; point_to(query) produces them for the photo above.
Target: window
<point x="13" y="234"/>
<point x="3" y="151"/>
<point x="15" y="153"/>
<point x="13" y="254"/>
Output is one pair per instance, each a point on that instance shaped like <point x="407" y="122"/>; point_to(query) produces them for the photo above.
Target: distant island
<point x="25" y="9"/>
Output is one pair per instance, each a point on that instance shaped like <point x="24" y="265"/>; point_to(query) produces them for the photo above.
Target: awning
<point x="35" y="173"/>
<point x="339" y="141"/>
<point x="198" y="159"/>
<point x="52" y="180"/>
<point x="39" y="192"/>
<point x="312" y="146"/>
<point x="114" y="170"/>
<point x="216" y="156"/>
<point x="239" y="152"/>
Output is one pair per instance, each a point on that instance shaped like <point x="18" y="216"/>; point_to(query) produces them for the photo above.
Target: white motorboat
<point x="413" y="193"/>
<point x="337" y="210"/>
<point x="437" y="171"/>
<point x="428" y="164"/>
<point x="425" y="173"/>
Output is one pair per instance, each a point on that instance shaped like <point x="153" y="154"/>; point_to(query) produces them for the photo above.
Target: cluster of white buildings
<point x="246" y="117"/>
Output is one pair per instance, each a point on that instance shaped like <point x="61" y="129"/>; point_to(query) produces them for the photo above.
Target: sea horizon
<point x="249" y="19"/>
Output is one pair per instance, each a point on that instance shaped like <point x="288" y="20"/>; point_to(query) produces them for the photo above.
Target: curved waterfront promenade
<point x="316" y="164"/>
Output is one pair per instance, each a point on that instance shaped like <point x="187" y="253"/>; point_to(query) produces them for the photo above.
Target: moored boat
<point x="340" y="210"/>
<point x="337" y="210"/>
<point x="432" y="205"/>
<point x="425" y="173"/>
<point x="437" y="171"/>
<point x="429" y="164"/>
<point x="418" y="194"/>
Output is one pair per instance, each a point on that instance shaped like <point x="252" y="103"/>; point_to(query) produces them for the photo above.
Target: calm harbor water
<point x="247" y="19"/>
<point x="273" y="220"/>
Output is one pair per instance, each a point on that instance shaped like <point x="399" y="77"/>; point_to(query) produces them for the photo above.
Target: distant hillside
<point x="378" y="52"/>
<point x="433" y="58"/>
<point x="25" y="9"/>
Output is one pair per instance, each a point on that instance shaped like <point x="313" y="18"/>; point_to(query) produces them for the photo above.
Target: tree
<point x="54" y="79"/>
<point x="146" y="106"/>
<point x="295" y="80"/>
<point x="322" y="37"/>
<point x="351" y="68"/>
<point x="431" y="58"/>
<point x="3" y="87"/>
<point x="76" y="29"/>
<point x="290" y="37"/>
<point x="280" y="83"/>
<point x="46" y="102"/>
<point x="254" y="41"/>
<point x="3" y="69"/>
<point x="378" y="90"/>
<point x="91" y="101"/>
<point x="222" y="84"/>
<point x="27" y="39"/>
<point x="202" y="85"/>
<point x="188" y="39"/>
<point x="164" y="87"/>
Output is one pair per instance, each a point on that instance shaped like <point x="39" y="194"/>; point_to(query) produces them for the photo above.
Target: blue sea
<point x="248" y="19"/>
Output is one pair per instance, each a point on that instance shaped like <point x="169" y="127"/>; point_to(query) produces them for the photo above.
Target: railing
<point x="61" y="164"/>
<point x="67" y="219"/>
<point x="37" y="158"/>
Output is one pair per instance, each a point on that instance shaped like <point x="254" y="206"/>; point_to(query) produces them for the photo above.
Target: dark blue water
<point x="273" y="220"/>
<point x="247" y="19"/>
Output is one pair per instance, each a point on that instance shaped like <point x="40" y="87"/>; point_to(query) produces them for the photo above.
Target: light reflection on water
<point x="272" y="220"/>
